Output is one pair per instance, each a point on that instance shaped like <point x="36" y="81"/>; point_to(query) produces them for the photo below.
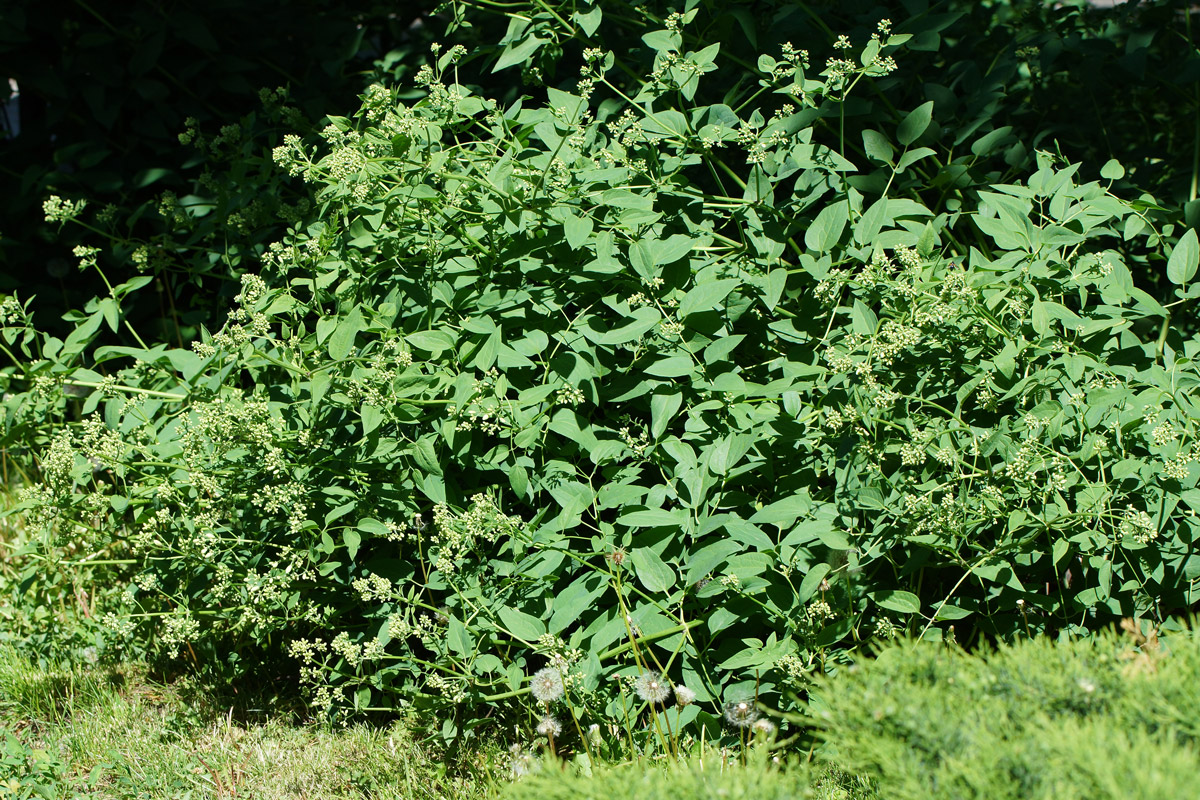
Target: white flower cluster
<point x="179" y="629"/>
<point x="459" y="534"/>
<point x="1139" y="526"/>
<point x="60" y="210"/>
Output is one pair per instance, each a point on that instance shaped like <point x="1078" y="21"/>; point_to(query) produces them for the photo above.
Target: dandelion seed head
<point x="549" y="727"/>
<point x="740" y="713"/>
<point x="684" y="696"/>
<point x="651" y="687"/>
<point x="763" y="727"/>
<point x="547" y="685"/>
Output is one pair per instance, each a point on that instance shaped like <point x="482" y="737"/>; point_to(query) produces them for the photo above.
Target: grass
<point x="116" y="733"/>
<point x="74" y="731"/>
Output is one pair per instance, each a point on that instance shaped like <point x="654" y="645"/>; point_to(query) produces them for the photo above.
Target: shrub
<point x="1094" y="718"/>
<point x="646" y="391"/>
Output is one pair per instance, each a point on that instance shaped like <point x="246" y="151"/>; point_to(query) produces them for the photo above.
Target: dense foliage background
<point x="628" y="368"/>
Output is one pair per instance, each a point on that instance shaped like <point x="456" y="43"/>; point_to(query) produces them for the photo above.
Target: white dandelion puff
<point x="651" y="687"/>
<point x="549" y="727"/>
<point x="764" y="727"/>
<point x="740" y="713"/>
<point x="547" y="685"/>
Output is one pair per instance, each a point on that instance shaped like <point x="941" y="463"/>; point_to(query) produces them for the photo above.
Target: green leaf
<point x="518" y="479"/>
<point x="521" y="625"/>
<point x="871" y="222"/>
<point x="653" y="518"/>
<point x="651" y="570"/>
<point x="896" y="600"/>
<point x="663" y="40"/>
<point x="578" y="229"/>
<point x="827" y="228"/>
<point x="371" y="418"/>
<point x="928" y="240"/>
<point x="1181" y="267"/>
<point x="588" y="21"/>
<point x="915" y="123"/>
<point x="1104" y="576"/>
<point x="425" y="455"/>
<point x="351" y="538"/>
<point x="342" y="340"/>
<point x="877" y="146"/>
<point x="1112" y="170"/>
<point x="913" y="156"/>
<point x="1041" y="318"/>
<point x="571" y="603"/>
<point x="672" y="367"/>
<point x="663" y="408"/>
<point x="372" y="526"/>
<point x="518" y="53"/>
<point x="950" y="613"/>
<point x="644" y="318"/>
<point x="986" y="143"/>
<point x="758" y="187"/>
<point x="111" y="311"/>
<point x="812" y="582"/>
<point x="459" y="638"/>
<point x="433" y="341"/>
<point x="706" y="296"/>
<point x="709" y="557"/>
<point x="863" y="319"/>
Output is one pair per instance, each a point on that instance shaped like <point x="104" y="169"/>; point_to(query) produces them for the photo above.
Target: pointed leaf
<point x="1181" y="267"/>
<point x="651" y="570"/>
<point x="915" y="123"/>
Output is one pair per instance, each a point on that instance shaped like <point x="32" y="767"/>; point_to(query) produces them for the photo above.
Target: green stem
<point x="130" y="389"/>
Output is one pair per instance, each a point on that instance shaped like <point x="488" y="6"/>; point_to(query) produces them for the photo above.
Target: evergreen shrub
<point x="1105" y="717"/>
